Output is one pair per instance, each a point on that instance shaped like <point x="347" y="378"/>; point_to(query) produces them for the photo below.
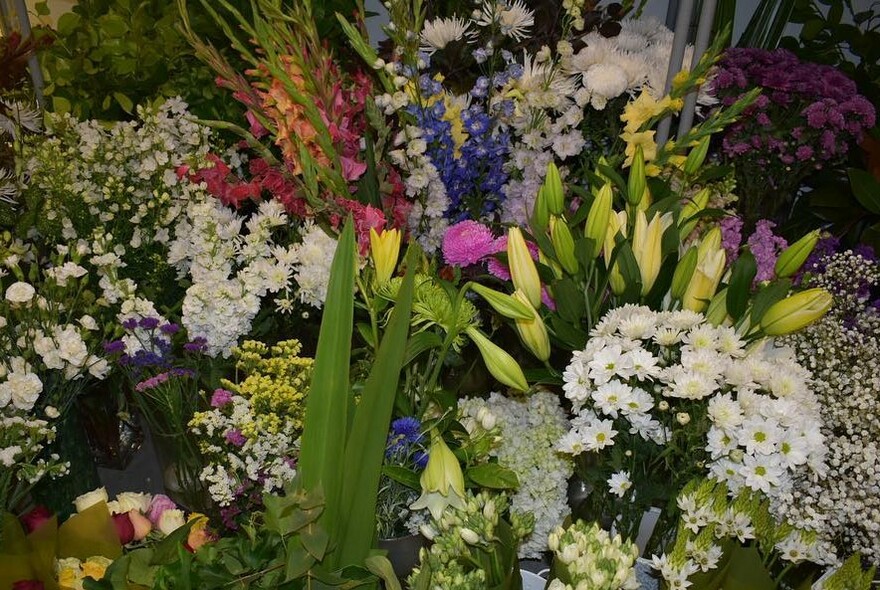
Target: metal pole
<point x="33" y="63"/>
<point x="704" y="32"/>
<point x="679" y="42"/>
<point x="671" y="11"/>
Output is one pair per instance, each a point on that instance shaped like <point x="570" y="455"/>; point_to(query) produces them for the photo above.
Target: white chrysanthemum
<point x="605" y="82"/>
<point x="440" y="32"/>
<point x="619" y="483"/>
<point x="513" y="18"/>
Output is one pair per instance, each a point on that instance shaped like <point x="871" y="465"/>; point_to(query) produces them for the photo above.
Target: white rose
<point x="2" y="322"/>
<point x="128" y="501"/>
<point x="88" y="322"/>
<point x="89" y="499"/>
<point x="19" y="292"/>
<point x="25" y="389"/>
<point x="171" y="520"/>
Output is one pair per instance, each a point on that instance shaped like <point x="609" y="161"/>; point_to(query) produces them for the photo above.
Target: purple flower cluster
<point x="157" y="380"/>
<point x="469" y="152"/>
<point x="765" y="246"/>
<point x="405" y="444"/>
<point x="731" y="237"/>
<point x="807" y="114"/>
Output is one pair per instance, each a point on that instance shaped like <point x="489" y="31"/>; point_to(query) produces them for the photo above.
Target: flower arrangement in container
<point x="841" y="351"/>
<point x="670" y="393"/>
<point x="807" y="118"/>
<point x="249" y="437"/>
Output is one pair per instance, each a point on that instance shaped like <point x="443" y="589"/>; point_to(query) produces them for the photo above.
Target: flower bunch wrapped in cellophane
<point x="249" y="437"/>
<point x="585" y="557"/>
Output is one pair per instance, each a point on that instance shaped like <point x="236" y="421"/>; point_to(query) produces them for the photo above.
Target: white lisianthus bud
<point x="683" y="418"/>
<point x="663" y="405"/>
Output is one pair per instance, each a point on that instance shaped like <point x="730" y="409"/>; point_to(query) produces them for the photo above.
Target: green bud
<point x="683" y="273"/>
<point x="501" y="365"/>
<point x="793" y="257"/>
<point x="637" y="181"/>
<point x="691" y="208"/>
<point x="697" y="156"/>
<point x="598" y="219"/>
<point x="717" y="310"/>
<point x="504" y="304"/>
<point x="540" y="213"/>
<point x="563" y="243"/>
<point x="553" y="191"/>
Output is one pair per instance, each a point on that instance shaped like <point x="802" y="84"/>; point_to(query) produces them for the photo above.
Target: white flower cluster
<point x="231" y="269"/>
<point x="637" y="58"/>
<point x="588" y="558"/>
<point x="843" y="352"/>
<point x="22" y="440"/>
<point x="312" y="259"/>
<point x="240" y="462"/>
<point x="529" y="431"/>
<point x="710" y="518"/>
<point x="647" y="374"/>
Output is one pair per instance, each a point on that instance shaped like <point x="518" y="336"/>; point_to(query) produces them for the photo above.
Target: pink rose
<point x="158" y="506"/>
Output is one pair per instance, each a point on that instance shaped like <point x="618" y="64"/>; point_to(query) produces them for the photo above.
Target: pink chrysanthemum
<point x="499" y="269"/>
<point x="467" y="243"/>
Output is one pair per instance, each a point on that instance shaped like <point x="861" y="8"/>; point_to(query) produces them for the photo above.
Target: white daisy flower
<point x="619" y="483"/>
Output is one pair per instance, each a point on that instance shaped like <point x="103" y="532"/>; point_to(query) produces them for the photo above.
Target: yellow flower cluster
<point x="71" y="571"/>
<point x="276" y="383"/>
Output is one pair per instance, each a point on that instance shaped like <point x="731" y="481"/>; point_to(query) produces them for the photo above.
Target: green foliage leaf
<point x="767" y="296"/>
<point x="865" y="188"/>
<point x="315" y="540"/>
<point x="299" y="561"/>
<point x="380" y="566"/>
<point x="570" y="303"/>
<point x="742" y="274"/>
<point x="67" y="23"/>
<point x="125" y="102"/>
<point x="402" y="475"/>
<point x="493" y="476"/>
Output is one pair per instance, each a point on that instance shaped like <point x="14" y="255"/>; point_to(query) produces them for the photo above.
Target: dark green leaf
<point x="298" y="562"/>
<point x="315" y="540"/>
<point x="766" y="297"/>
<point x="419" y="343"/>
<point x="380" y="566"/>
<point x="570" y="303"/>
<point x="865" y="188"/>
<point x="493" y="476"/>
<point x="740" y="286"/>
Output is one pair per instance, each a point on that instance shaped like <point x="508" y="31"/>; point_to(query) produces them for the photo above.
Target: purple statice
<point x="220" y="398"/>
<point x="114" y="347"/>
<point x="765" y="246"/>
<point x="196" y="345"/>
<point x="169" y="329"/>
<point x="731" y="237"/>
<point x="235" y="438"/>
<point x="152" y="382"/>
<point x="149" y="323"/>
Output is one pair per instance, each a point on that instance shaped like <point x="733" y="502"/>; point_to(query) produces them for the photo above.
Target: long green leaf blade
<point x="323" y="440"/>
<point x="369" y="432"/>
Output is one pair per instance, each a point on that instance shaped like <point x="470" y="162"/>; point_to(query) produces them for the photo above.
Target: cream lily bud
<point x="697" y="156"/>
<point x="540" y="213"/>
<point x="792" y="258"/>
<point x="533" y="333"/>
<point x="503" y="303"/>
<point x="563" y="244"/>
<point x="796" y="312"/>
<point x="705" y="280"/>
<point x="616" y="225"/>
<point x="598" y="220"/>
<point x="553" y="191"/>
<point x="637" y="181"/>
<point x="523" y="271"/>
<point x="501" y="365"/>
<point x="716" y="314"/>
<point x="684" y="270"/>
<point x="384" y="250"/>
<point x="691" y="208"/>
<point x="442" y="480"/>
<point x="469" y="536"/>
<point x="710" y="242"/>
<point x="647" y="240"/>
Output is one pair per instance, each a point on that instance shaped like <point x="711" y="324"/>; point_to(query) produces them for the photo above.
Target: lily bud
<point x="504" y="304"/>
<point x="442" y="481"/>
<point x="563" y="243"/>
<point x="710" y="242"/>
<point x="691" y="208"/>
<point x="792" y="258"/>
<point x="717" y="311"/>
<point x="540" y="213"/>
<point x="533" y="332"/>
<point x="523" y="271"/>
<point x="637" y="180"/>
<point x="647" y="240"/>
<point x="598" y="219"/>
<point x="501" y="365"/>
<point x="697" y="156"/>
<point x="684" y="270"/>
<point x="553" y="191"/>
<point x="704" y="282"/>
<point x="384" y="250"/>
<point x="616" y="225"/>
<point x="796" y="312"/>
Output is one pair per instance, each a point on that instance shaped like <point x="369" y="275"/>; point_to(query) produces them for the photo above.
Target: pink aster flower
<point x="467" y="243"/>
